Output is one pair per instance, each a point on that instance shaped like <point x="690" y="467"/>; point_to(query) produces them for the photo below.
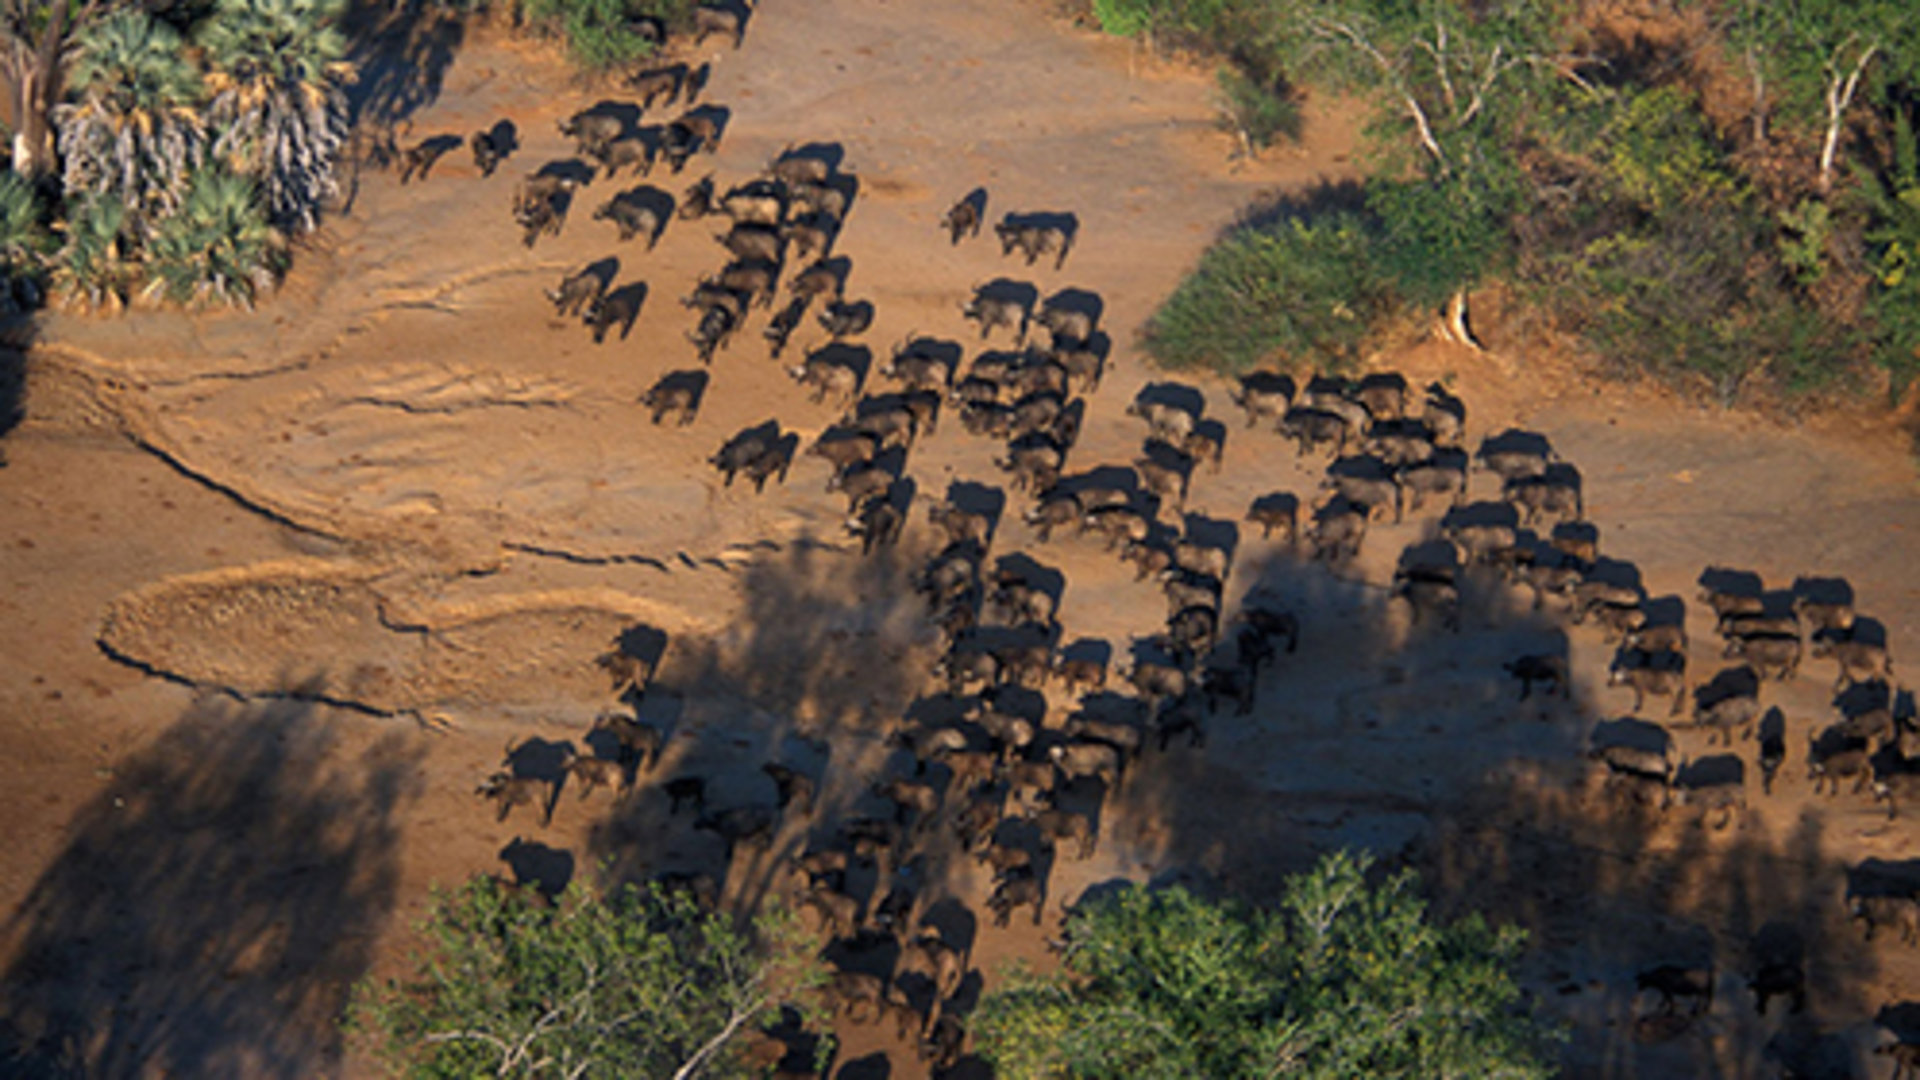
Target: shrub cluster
<point x="1770" y="250"/>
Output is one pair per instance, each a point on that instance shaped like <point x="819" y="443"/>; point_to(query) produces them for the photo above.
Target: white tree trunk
<point x="1454" y="326"/>
<point x="1840" y="91"/>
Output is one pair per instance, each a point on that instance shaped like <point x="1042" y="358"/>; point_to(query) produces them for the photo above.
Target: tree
<point x="1453" y="82"/>
<point x="1821" y="54"/>
<point x="217" y="247"/>
<point x="35" y="47"/>
<point x="1893" y="237"/>
<point x="23" y="243"/>
<point x="1345" y="979"/>
<point x="277" y="109"/>
<point x="134" y="134"/>
<point x="93" y="267"/>
<point x="630" y="984"/>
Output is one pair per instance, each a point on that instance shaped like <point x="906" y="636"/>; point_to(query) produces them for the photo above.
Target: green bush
<point x="23" y="243"/>
<point x="1260" y="113"/>
<point x="1296" y="294"/>
<point x="1346" y="979"/>
<point x="1127" y="18"/>
<point x="1893" y="238"/>
<point x="218" y="247"/>
<point x="93" y="268"/>
<point x="1695" y="295"/>
<point x="1438" y="238"/>
<point x="601" y="34"/>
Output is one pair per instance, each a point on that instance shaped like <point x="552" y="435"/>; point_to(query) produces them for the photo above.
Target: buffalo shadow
<point x="830" y="154"/>
<point x="1021" y="293"/>
<point x="545" y="869"/>
<point x="634" y="295"/>
<point x="574" y="169"/>
<point x="1078" y="302"/>
<point x="691" y="380"/>
<point x="1174" y="395"/>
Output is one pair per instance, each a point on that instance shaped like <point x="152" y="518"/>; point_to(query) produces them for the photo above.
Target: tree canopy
<point x="1345" y="978"/>
<point x="628" y="984"/>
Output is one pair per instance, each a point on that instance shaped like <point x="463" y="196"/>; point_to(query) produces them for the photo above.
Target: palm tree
<point x="218" y="246"/>
<point x="133" y="134"/>
<point x="92" y="268"/>
<point x="36" y="43"/>
<point x="275" y="74"/>
<point x="23" y="243"/>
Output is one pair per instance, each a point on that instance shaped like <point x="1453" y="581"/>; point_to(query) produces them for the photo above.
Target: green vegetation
<point x="1762" y="249"/>
<point x="218" y="247"/>
<point x="274" y="72"/>
<point x="23" y="244"/>
<point x="134" y="134"/>
<point x="92" y="269"/>
<point x="1297" y="295"/>
<point x="184" y="141"/>
<point x="629" y="984"/>
<point x="1345" y="979"/>
<point x="605" y="34"/>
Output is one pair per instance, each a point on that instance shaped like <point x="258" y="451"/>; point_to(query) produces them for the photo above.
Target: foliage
<point x="1128" y="18"/>
<point x="1298" y="293"/>
<point x="1259" y="113"/>
<point x="217" y="247"/>
<point x="1656" y="151"/>
<point x="1439" y="237"/>
<point x="23" y="243"/>
<point x="134" y="134"/>
<point x="93" y="268"/>
<point x="629" y="984"/>
<point x="277" y="108"/>
<point x="1894" y="242"/>
<point x="1816" y="57"/>
<point x="1345" y="979"/>
<point x="1437" y="70"/>
<point x="1805" y="231"/>
<point x="605" y="34"/>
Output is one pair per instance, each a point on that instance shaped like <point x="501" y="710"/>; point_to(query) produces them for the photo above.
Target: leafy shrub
<point x="93" y="268"/>
<point x="1127" y="18"/>
<point x="1658" y="152"/>
<point x="23" y="243"/>
<point x="218" y="247"/>
<point x="626" y="985"/>
<point x="1345" y="979"/>
<point x="1437" y="238"/>
<point x="1297" y="293"/>
<point x="1893" y="238"/>
<point x="605" y="34"/>
<point x="1259" y="113"/>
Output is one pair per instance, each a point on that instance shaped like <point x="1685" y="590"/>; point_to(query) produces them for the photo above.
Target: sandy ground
<point x="399" y="510"/>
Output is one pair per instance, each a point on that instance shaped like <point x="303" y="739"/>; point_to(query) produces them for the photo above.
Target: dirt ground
<point x="277" y="588"/>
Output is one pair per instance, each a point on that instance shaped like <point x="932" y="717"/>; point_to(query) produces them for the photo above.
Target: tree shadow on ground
<point x="13" y="392"/>
<point x="213" y="906"/>
<point x="401" y="55"/>
<point x="1410" y="741"/>
<point x="822" y="662"/>
<point x="1606" y="891"/>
